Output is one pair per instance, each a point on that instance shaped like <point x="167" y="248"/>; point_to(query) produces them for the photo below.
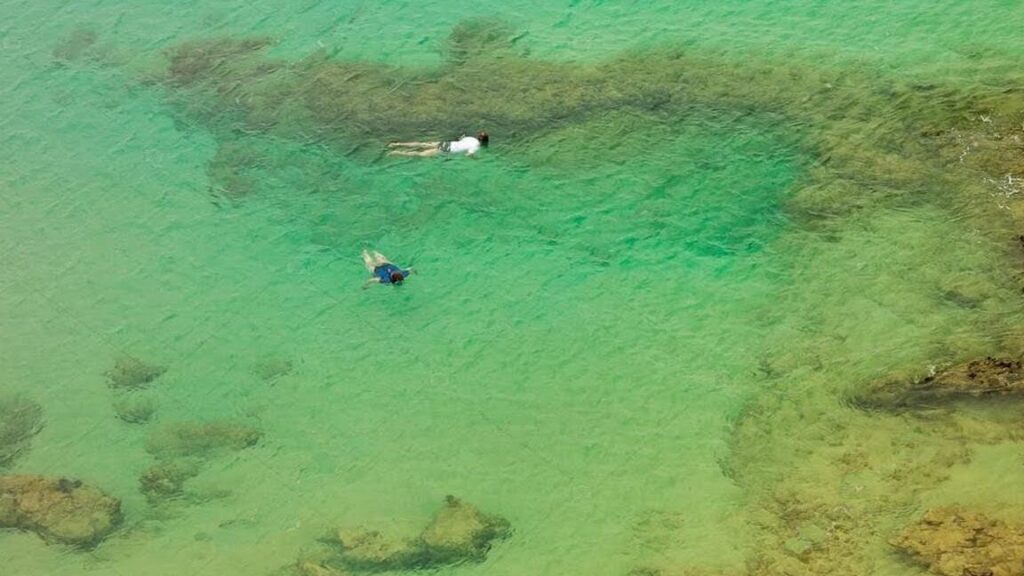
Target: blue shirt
<point x="384" y="271"/>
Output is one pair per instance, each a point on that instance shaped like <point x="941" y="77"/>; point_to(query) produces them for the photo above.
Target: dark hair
<point x="397" y="277"/>
<point x="483" y="138"/>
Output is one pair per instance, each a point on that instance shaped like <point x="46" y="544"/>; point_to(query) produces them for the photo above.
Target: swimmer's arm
<point x="369" y="281"/>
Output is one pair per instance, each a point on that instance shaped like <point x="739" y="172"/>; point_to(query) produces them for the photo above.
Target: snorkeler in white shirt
<point x="467" y="145"/>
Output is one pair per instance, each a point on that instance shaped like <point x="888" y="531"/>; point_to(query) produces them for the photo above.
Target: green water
<point x="633" y="328"/>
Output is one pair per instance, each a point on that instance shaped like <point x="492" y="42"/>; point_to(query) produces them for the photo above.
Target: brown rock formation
<point x="165" y="481"/>
<point x="955" y="542"/>
<point x="974" y="379"/>
<point x="58" y="509"/>
<point x="370" y="550"/>
<point x="460" y="532"/>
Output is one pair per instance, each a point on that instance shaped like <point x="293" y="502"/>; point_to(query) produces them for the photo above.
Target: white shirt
<point x="467" y="145"/>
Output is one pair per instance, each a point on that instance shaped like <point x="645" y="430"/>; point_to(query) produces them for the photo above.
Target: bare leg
<point x="379" y="259"/>
<point x="368" y="261"/>
<point x="422" y="153"/>
<point x="413" y="144"/>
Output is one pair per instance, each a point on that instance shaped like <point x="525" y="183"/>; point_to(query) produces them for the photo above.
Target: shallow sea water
<point x="623" y="338"/>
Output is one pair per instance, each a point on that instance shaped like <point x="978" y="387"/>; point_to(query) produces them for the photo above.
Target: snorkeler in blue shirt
<point x="383" y="271"/>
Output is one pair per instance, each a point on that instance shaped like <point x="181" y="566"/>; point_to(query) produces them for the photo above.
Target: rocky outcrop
<point x="20" y="420"/>
<point x="166" y="481"/>
<point x="987" y="377"/>
<point x="956" y="542"/>
<point x="372" y="551"/>
<point x="58" y="509"/>
<point x="134" y="410"/>
<point x="459" y="532"/>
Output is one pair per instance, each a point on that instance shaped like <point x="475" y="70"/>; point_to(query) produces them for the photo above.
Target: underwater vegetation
<point x="166" y="480"/>
<point x="182" y="449"/>
<point x="272" y="368"/>
<point x="458" y="533"/>
<point x="60" y="510"/>
<point x="135" y="410"/>
<point x="130" y="373"/>
<point x="200" y="439"/>
<point x="20" y="420"/>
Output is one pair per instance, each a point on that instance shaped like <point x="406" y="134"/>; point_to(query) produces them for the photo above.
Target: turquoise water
<point x="635" y="321"/>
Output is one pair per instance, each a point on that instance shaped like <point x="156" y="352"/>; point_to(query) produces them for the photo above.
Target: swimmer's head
<point x="397" y="277"/>
<point x="483" y="138"/>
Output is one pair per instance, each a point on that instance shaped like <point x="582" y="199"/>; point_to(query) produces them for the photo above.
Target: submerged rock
<point x="201" y="439"/>
<point x="370" y="550"/>
<point x="134" y="410"/>
<point x="166" y="481"/>
<point x="58" y="509"/>
<point x="131" y="373"/>
<point x="974" y="379"/>
<point x="272" y="368"/>
<point x="20" y="420"/>
<point x="461" y="533"/>
<point x="80" y="44"/>
<point x="458" y="533"/>
<point x="955" y="542"/>
<point x="182" y="449"/>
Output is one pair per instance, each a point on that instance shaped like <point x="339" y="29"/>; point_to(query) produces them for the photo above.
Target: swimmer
<point x="467" y="145"/>
<point x="383" y="271"/>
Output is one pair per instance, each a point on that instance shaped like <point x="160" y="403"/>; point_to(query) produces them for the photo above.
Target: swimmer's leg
<point x="413" y="144"/>
<point x="368" y="261"/>
<point x="379" y="259"/>
<point x="421" y="153"/>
